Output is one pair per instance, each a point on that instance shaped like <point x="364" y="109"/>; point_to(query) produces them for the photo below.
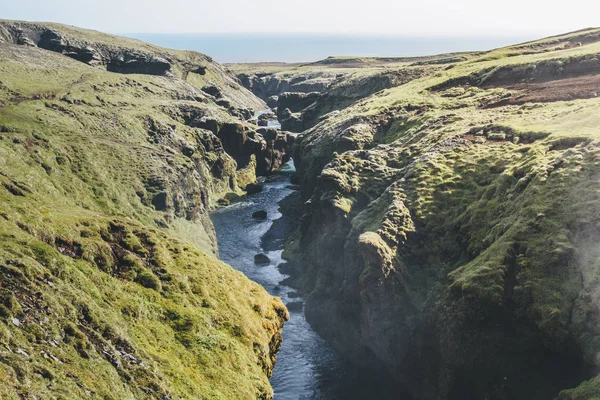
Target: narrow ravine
<point x="307" y="368"/>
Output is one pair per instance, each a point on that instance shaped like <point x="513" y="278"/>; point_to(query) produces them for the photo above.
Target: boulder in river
<point x="254" y="188"/>
<point x="261" y="259"/>
<point x="260" y="214"/>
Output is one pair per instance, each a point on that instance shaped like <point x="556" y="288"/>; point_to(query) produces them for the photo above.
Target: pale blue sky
<point x="397" y="17"/>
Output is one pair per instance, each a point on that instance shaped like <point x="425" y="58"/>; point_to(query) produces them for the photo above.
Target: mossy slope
<point x="450" y="220"/>
<point x="110" y="286"/>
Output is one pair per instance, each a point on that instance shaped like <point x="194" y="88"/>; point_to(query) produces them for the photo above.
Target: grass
<point x="498" y="205"/>
<point x="110" y="283"/>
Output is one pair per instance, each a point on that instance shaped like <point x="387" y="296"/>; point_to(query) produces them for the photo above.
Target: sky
<point x="420" y="18"/>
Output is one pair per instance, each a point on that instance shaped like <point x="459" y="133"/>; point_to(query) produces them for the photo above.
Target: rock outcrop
<point x="303" y="99"/>
<point x="447" y="229"/>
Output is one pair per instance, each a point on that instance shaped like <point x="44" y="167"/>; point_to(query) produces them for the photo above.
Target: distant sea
<point x="242" y="48"/>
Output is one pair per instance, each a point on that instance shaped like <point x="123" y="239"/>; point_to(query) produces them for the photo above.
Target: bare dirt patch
<point x="583" y="87"/>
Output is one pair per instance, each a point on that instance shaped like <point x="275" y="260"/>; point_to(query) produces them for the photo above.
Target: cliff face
<point x="450" y="224"/>
<point x="112" y="152"/>
<point x="304" y="94"/>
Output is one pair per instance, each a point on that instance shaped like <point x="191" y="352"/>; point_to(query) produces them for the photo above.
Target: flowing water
<point x="307" y="368"/>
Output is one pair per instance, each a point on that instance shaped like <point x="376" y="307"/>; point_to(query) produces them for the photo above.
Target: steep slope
<point x="112" y="152"/>
<point x="451" y="224"/>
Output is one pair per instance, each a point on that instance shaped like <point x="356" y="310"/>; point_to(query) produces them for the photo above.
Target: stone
<point x="262" y="259"/>
<point x="213" y="91"/>
<point x="254" y="188"/>
<point x="160" y="201"/>
<point x="260" y="214"/>
<point x="272" y="101"/>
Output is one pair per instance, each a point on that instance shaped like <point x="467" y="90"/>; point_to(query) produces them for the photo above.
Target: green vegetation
<point x="110" y="287"/>
<point x="453" y="216"/>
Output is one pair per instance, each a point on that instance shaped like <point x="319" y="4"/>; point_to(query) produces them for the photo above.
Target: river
<point x="306" y="368"/>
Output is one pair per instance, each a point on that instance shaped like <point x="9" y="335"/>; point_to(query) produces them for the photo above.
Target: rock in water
<point x="254" y="188"/>
<point x="260" y="214"/>
<point x="262" y="259"/>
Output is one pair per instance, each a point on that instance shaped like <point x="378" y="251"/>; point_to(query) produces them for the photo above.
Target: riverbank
<point x="306" y="367"/>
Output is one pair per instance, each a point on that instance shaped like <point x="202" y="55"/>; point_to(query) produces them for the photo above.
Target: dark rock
<point x="260" y="214"/>
<point x="265" y="116"/>
<point x="224" y="103"/>
<point x="293" y="187"/>
<point x="264" y="86"/>
<point x="295" y="306"/>
<point x="296" y="102"/>
<point x="294" y="295"/>
<point x="272" y="101"/>
<point x="290" y="281"/>
<point x="53" y="41"/>
<point x="234" y="138"/>
<point x="199" y="69"/>
<point x="313" y="85"/>
<point x="209" y="124"/>
<point x="254" y="188"/>
<point x="291" y="122"/>
<point x="269" y="134"/>
<point x="160" y="201"/>
<point x="138" y="63"/>
<point x="124" y="61"/>
<point x="287" y="268"/>
<point x="213" y="91"/>
<point x="262" y="259"/>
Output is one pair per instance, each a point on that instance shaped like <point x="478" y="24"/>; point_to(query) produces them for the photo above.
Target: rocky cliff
<point x="112" y="153"/>
<point x="451" y="223"/>
<point x="303" y="94"/>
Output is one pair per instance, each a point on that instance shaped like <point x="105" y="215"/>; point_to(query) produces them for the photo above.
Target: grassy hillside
<point x="453" y="216"/>
<point x="109" y="282"/>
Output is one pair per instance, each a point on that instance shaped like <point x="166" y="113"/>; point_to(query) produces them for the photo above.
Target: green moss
<point x="89" y="268"/>
<point x="148" y="280"/>
<point x="588" y="390"/>
<point x="485" y="207"/>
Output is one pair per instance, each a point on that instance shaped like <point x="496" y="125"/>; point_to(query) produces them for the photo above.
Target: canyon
<point x="443" y="219"/>
<point x="450" y="211"/>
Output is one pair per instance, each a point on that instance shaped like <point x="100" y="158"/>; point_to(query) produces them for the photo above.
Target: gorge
<point x="399" y="228"/>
